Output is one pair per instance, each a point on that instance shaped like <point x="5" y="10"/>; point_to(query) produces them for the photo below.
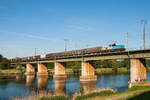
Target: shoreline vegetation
<point x="70" y="71"/>
<point x="99" y="94"/>
<point x="132" y="94"/>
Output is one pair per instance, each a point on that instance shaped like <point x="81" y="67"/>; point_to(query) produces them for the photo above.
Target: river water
<point x="25" y="85"/>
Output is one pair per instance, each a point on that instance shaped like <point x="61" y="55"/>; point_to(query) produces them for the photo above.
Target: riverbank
<point x="131" y="93"/>
<point x="102" y="94"/>
<point x="72" y="71"/>
<point x="69" y="71"/>
<point x="111" y="70"/>
<point x="97" y="71"/>
<point x="10" y="72"/>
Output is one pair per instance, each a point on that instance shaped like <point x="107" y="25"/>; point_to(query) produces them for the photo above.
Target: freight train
<point x="87" y="51"/>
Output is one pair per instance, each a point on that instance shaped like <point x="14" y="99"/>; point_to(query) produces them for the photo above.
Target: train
<point x="80" y="52"/>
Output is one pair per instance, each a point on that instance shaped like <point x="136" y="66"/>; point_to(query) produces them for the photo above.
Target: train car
<point x="48" y="55"/>
<point x="94" y="50"/>
<point x="37" y="57"/>
<point x="25" y="59"/>
<point x="79" y="52"/>
<point x="67" y="53"/>
<point x="53" y="55"/>
<point x="118" y="46"/>
<point x="17" y="59"/>
<point x="43" y="56"/>
<point x="109" y="48"/>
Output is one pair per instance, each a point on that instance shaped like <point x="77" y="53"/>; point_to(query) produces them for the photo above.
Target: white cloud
<point x="13" y="46"/>
<point x="30" y="35"/>
<point x="80" y="27"/>
<point x="34" y="36"/>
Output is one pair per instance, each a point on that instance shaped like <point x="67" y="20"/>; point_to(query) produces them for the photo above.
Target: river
<point x="25" y="85"/>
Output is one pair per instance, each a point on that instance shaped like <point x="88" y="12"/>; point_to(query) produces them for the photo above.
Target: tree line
<point x="4" y="63"/>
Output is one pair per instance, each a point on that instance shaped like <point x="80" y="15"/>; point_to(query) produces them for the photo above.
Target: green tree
<point x="50" y="65"/>
<point x="4" y="62"/>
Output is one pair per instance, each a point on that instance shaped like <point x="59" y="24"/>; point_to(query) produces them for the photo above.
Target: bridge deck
<point x="98" y="56"/>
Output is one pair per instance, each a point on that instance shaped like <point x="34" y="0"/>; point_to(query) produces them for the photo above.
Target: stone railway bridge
<point x="137" y="64"/>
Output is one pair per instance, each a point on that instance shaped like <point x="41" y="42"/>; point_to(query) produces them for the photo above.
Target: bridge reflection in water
<point x="30" y="80"/>
<point x="42" y="82"/>
<point x="87" y="87"/>
<point x="59" y="85"/>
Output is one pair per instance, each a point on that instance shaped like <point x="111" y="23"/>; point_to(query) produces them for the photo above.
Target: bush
<point x="103" y="93"/>
<point x="50" y="65"/>
<point x="56" y="98"/>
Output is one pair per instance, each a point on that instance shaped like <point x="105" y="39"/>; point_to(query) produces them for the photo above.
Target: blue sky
<point x="44" y="24"/>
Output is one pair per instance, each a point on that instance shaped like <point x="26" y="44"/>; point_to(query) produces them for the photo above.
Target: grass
<point x="136" y="90"/>
<point x="104" y="70"/>
<point x="56" y="98"/>
<point x="122" y="70"/>
<point x="143" y="96"/>
<point x="133" y="92"/>
<point x="111" y="70"/>
<point x="87" y="96"/>
<point x="10" y="71"/>
<point x="97" y="70"/>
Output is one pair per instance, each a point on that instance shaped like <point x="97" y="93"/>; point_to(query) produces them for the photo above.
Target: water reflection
<point x="19" y="77"/>
<point x="42" y="82"/>
<point x="59" y="86"/>
<point x="87" y="87"/>
<point x="26" y="85"/>
<point x="30" y="80"/>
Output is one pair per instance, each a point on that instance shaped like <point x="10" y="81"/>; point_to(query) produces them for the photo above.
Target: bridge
<point x="136" y="57"/>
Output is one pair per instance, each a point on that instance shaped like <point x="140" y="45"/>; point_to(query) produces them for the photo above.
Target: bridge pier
<point x="42" y="70"/>
<point x="88" y="72"/>
<point x="30" y="70"/>
<point x="137" y="71"/>
<point x="59" y="70"/>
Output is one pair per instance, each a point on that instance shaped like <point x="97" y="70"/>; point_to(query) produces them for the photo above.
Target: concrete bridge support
<point x="30" y="70"/>
<point x="59" y="70"/>
<point x="137" y="70"/>
<point x="88" y="72"/>
<point x="42" y="70"/>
